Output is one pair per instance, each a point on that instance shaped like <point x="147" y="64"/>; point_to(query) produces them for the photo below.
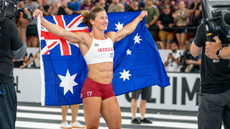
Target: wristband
<point x="218" y="52"/>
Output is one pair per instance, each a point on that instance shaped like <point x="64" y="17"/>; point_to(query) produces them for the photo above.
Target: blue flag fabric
<point x="137" y="63"/>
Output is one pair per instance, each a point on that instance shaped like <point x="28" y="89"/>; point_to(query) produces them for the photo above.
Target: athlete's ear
<point x="92" y="22"/>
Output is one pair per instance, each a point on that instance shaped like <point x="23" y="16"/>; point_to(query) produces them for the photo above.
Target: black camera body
<point x="29" y="17"/>
<point x="186" y="56"/>
<point x="8" y="8"/>
<point x="216" y="14"/>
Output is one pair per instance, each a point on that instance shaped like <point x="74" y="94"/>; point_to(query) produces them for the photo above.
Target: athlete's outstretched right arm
<point x="57" y="30"/>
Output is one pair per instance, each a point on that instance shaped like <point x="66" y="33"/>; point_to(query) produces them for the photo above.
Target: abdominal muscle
<point x="101" y="72"/>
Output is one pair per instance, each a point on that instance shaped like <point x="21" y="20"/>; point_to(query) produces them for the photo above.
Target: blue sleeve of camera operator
<point x="200" y="37"/>
<point x="17" y="46"/>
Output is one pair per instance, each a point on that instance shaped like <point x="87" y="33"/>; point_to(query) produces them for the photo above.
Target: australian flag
<point x="137" y="63"/>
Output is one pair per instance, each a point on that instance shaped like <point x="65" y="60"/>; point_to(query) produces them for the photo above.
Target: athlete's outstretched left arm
<point x="128" y="29"/>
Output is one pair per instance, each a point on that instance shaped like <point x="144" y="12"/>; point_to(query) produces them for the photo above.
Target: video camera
<point x="8" y="8"/>
<point x="186" y="56"/>
<point x="216" y="17"/>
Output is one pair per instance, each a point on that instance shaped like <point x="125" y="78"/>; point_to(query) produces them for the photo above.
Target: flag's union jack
<point x="53" y="40"/>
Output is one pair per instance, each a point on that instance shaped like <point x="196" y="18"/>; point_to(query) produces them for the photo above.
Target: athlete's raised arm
<point x="57" y="30"/>
<point x="128" y="29"/>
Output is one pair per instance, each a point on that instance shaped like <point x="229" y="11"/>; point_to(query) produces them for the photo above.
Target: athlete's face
<point x="101" y="20"/>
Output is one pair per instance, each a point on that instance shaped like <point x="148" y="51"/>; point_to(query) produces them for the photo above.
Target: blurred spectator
<point x="174" y="4"/>
<point x="134" y="6"/>
<point x="151" y="19"/>
<point x="161" y="7"/>
<point x="20" y="4"/>
<point x="62" y="8"/>
<point x="102" y="3"/>
<point x="30" y="4"/>
<point x="54" y="8"/>
<point x="125" y="4"/>
<point x="189" y="2"/>
<point x="31" y="32"/>
<point x="181" y="19"/>
<point x="45" y="8"/>
<point x="158" y="3"/>
<point x="87" y="5"/>
<point x="74" y="123"/>
<point x="165" y="22"/>
<point x="37" y="55"/>
<point x="190" y="63"/>
<point x="39" y="2"/>
<point x="194" y="13"/>
<point x="198" y="14"/>
<point x="115" y="6"/>
<point x="141" y="4"/>
<point x="75" y="6"/>
<point x="174" y="60"/>
<point x="18" y="63"/>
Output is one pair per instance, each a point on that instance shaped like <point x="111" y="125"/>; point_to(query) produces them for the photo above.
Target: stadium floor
<point x="35" y="116"/>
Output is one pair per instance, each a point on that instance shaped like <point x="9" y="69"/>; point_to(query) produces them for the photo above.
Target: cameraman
<point x="214" y="99"/>
<point x="12" y="46"/>
<point x="190" y="63"/>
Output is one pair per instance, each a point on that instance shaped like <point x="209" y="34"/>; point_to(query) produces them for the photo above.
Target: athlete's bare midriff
<point x="101" y="72"/>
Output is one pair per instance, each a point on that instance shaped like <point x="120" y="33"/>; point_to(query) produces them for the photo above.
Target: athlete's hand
<point x="212" y="47"/>
<point x="38" y="12"/>
<point x="143" y="14"/>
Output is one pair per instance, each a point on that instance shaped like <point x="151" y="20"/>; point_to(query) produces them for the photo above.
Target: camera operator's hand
<point x="212" y="47"/>
<point x="23" y="22"/>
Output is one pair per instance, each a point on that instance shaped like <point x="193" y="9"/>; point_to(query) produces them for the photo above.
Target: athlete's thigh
<point x="111" y="113"/>
<point x="92" y="107"/>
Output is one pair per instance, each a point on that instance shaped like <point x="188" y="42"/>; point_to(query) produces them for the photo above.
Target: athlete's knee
<point x="116" y="127"/>
<point x="92" y="126"/>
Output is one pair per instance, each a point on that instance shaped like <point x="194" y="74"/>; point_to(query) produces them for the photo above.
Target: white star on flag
<point x="119" y="26"/>
<point x="125" y="75"/>
<point x="128" y="52"/>
<point x="137" y="39"/>
<point x="68" y="82"/>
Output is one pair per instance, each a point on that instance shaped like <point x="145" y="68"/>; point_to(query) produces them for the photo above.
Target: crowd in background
<point x="172" y="23"/>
